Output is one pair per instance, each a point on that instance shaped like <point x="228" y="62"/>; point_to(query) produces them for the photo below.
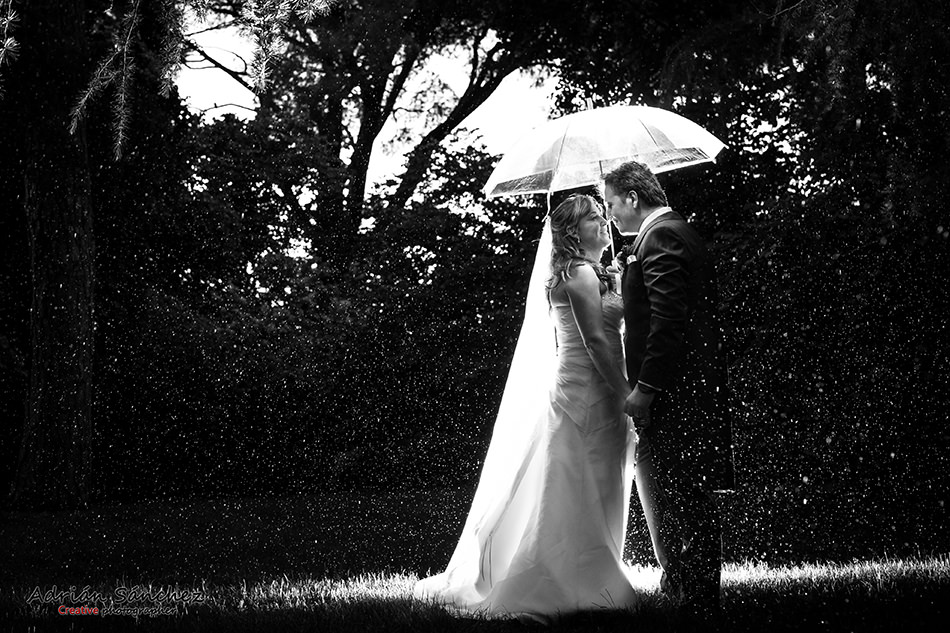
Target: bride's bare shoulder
<point x="558" y="295"/>
<point x="583" y="278"/>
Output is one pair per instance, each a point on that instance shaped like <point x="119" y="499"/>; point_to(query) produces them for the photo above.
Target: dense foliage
<point x="256" y="333"/>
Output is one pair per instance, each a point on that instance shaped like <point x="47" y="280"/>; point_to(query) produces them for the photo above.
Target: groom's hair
<point x="634" y="176"/>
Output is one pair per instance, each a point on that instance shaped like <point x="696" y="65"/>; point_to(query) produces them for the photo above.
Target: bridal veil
<point x="514" y="462"/>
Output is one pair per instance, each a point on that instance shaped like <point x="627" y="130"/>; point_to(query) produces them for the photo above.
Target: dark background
<point x="376" y="357"/>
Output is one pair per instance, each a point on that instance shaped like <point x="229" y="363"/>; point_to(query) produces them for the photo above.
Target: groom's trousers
<point x="685" y="530"/>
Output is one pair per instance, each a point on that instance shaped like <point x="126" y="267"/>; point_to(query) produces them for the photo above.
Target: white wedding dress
<point x="545" y="533"/>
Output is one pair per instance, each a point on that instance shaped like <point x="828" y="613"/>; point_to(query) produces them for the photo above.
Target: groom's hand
<point x="616" y="276"/>
<point x="637" y="406"/>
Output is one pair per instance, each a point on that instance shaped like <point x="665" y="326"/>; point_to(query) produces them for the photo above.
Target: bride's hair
<point x="566" y="251"/>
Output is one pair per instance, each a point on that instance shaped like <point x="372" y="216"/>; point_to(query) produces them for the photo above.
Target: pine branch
<point x="103" y="75"/>
<point x="119" y="64"/>
<point x="120" y="107"/>
<point x="268" y="16"/>
<point x="268" y="19"/>
<point x="172" y="47"/>
<point x="8" y="45"/>
<point x="314" y="8"/>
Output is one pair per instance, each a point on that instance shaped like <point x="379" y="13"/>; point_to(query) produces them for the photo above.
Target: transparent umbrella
<point x="578" y="149"/>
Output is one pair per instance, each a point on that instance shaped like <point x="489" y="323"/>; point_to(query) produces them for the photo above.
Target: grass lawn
<point x="346" y="562"/>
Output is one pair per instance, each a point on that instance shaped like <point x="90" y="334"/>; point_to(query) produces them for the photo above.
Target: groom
<point x="676" y="365"/>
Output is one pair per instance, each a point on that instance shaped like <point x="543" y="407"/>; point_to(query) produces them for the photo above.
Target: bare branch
<point x="779" y="10"/>
<point x="476" y="45"/>
<point x="237" y="76"/>
<point x="399" y="81"/>
<point x="216" y="27"/>
<point x="481" y="86"/>
<point x="227" y="105"/>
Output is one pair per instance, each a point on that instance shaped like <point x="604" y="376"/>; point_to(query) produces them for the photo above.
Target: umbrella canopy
<point x="578" y="149"/>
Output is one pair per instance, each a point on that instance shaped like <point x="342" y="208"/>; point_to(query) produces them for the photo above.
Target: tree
<point x="46" y="56"/>
<point x="346" y="80"/>
<point x="54" y="457"/>
<point x="348" y="73"/>
<point x="828" y="211"/>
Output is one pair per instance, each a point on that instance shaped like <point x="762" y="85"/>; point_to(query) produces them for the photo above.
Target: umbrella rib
<point x="557" y="161"/>
<point x="649" y="133"/>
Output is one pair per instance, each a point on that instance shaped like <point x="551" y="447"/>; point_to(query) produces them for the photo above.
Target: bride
<point x="545" y="532"/>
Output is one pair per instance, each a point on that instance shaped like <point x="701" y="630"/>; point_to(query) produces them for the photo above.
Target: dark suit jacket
<point x="673" y="342"/>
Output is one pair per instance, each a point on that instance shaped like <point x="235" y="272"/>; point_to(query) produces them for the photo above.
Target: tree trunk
<point x="53" y="466"/>
<point x="490" y="77"/>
